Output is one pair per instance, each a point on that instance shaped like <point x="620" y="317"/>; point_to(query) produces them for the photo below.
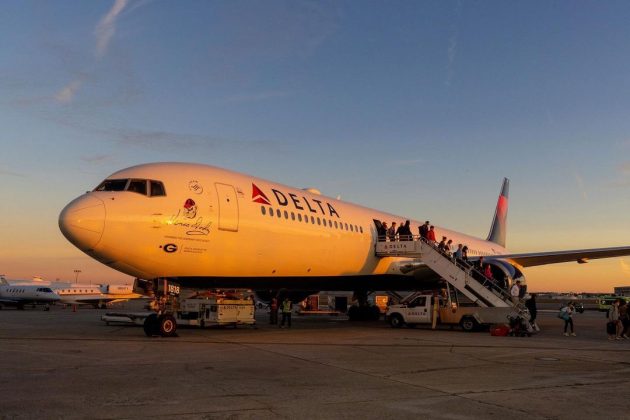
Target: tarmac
<point x="64" y="364"/>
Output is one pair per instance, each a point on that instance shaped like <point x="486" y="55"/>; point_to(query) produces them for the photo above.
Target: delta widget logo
<point x="258" y="196"/>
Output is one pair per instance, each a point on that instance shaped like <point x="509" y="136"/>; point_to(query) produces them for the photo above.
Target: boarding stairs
<point x="463" y="277"/>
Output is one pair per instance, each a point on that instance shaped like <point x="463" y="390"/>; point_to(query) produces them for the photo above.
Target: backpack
<point x="562" y="314"/>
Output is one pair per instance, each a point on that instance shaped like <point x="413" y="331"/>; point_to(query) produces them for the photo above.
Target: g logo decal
<point x="170" y="248"/>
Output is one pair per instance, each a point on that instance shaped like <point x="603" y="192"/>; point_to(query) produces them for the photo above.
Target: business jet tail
<point x="498" y="230"/>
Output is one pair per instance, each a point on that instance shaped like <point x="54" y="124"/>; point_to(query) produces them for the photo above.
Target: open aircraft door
<point x="228" y="207"/>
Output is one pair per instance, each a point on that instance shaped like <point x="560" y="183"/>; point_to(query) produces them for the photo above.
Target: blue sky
<point x="418" y="108"/>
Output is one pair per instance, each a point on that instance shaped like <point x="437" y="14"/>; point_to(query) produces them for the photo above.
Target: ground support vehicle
<point x="431" y="309"/>
<point x="216" y="311"/>
<point x="200" y="309"/>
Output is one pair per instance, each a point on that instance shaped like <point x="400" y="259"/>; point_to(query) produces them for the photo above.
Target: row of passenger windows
<point x="141" y="186"/>
<point x="39" y="289"/>
<point x="311" y="219"/>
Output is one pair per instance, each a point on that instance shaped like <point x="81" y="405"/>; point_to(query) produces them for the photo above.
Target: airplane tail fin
<point x="498" y="229"/>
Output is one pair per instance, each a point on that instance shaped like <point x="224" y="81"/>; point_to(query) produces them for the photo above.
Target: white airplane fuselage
<point x="215" y="227"/>
<point x="26" y="294"/>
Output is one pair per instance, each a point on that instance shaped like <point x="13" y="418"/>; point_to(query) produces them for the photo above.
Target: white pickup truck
<point x="421" y="309"/>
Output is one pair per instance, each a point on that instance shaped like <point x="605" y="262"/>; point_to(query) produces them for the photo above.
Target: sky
<point x="419" y="108"/>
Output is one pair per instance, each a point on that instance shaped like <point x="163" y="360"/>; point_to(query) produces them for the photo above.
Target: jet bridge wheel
<point x="167" y="326"/>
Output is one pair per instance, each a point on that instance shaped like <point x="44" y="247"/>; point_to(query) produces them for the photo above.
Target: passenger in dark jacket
<point x="530" y="304"/>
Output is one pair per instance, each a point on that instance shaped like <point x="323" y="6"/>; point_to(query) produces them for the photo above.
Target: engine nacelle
<point x="502" y="269"/>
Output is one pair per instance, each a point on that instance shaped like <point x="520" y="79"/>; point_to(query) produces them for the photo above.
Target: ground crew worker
<point x="286" y="312"/>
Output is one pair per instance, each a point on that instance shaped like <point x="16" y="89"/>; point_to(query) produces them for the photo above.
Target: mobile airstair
<point x="463" y="277"/>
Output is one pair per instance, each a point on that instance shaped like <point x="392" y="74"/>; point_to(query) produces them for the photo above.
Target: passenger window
<point x="271" y="211"/>
<point x="361" y="228"/>
<point x="292" y="216"/>
<point x="138" y="186"/>
<point x="335" y="224"/>
<point x="346" y="226"/>
<point x="278" y="213"/>
<point x="112" y="185"/>
<point x="319" y="222"/>
<point x="312" y="220"/>
<point x="324" y="222"/>
<point x="351" y="228"/>
<point x="299" y="217"/>
<point x="263" y="210"/>
<point x="157" y="189"/>
<point x="286" y="215"/>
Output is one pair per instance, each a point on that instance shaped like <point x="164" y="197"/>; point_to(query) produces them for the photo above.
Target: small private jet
<point x="22" y="295"/>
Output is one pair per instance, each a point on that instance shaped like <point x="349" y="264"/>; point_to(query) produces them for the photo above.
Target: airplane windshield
<point x="44" y="289"/>
<point x="112" y="185"/>
<point x="156" y="188"/>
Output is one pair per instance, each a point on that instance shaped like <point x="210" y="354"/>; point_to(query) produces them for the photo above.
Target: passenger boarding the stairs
<point x="515" y="292"/>
<point x="391" y="232"/>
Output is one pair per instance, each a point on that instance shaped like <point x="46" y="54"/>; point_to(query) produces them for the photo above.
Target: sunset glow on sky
<point x="415" y="108"/>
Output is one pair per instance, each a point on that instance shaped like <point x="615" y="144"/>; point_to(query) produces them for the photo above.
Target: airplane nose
<point x="82" y="222"/>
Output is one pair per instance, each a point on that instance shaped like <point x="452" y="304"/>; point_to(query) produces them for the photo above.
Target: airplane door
<point x="228" y="207"/>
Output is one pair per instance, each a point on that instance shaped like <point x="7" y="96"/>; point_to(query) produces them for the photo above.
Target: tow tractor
<point x="202" y="309"/>
<point x="440" y="309"/>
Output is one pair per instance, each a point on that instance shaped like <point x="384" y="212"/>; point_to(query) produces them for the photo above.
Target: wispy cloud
<point x="580" y="185"/>
<point x="96" y="158"/>
<point x="106" y="28"/>
<point x="624" y="168"/>
<point x="66" y="94"/>
<point x="104" y="31"/>
<point x="258" y="96"/>
<point x="8" y="172"/>
<point x="451" y="52"/>
<point x="406" y="162"/>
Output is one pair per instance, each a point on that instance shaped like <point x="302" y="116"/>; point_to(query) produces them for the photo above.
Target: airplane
<point x="202" y="226"/>
<point x="20" y="295"/>
<point x="98" y="295"/>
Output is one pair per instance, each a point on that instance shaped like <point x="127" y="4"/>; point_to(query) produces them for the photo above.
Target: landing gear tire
<point x="151" y="326"/>
<point x="469" y="324"/>
<point x="396" y="321"/>
<point x="167" y="326"/>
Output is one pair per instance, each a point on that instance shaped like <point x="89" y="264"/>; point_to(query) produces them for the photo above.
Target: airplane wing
<point x="579" y="255"/>
<point x="5" y="300"/>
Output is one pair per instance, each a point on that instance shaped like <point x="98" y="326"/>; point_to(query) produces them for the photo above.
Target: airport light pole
<point x="76" y="275"/>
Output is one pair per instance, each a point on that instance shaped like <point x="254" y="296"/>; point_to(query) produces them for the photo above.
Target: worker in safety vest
<point x="286" y="312"/>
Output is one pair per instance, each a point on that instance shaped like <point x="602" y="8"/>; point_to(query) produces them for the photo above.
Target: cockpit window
<point x="134" y="185"/>
<point x="138" y="185"/>
<point x="44" y="289"/>
<point x="157" y="189"/>
<point x="112" y="185"/>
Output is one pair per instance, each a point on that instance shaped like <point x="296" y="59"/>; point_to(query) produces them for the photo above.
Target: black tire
<point x="396" y="321"/>
<point x="167" y="326"/>
<point x="150" y="326"/>
<point x="469" y="324"/>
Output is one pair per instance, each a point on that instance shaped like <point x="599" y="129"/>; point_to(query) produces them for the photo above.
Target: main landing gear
<point x="160" y="325"/>
<point x="363" y="311"/>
